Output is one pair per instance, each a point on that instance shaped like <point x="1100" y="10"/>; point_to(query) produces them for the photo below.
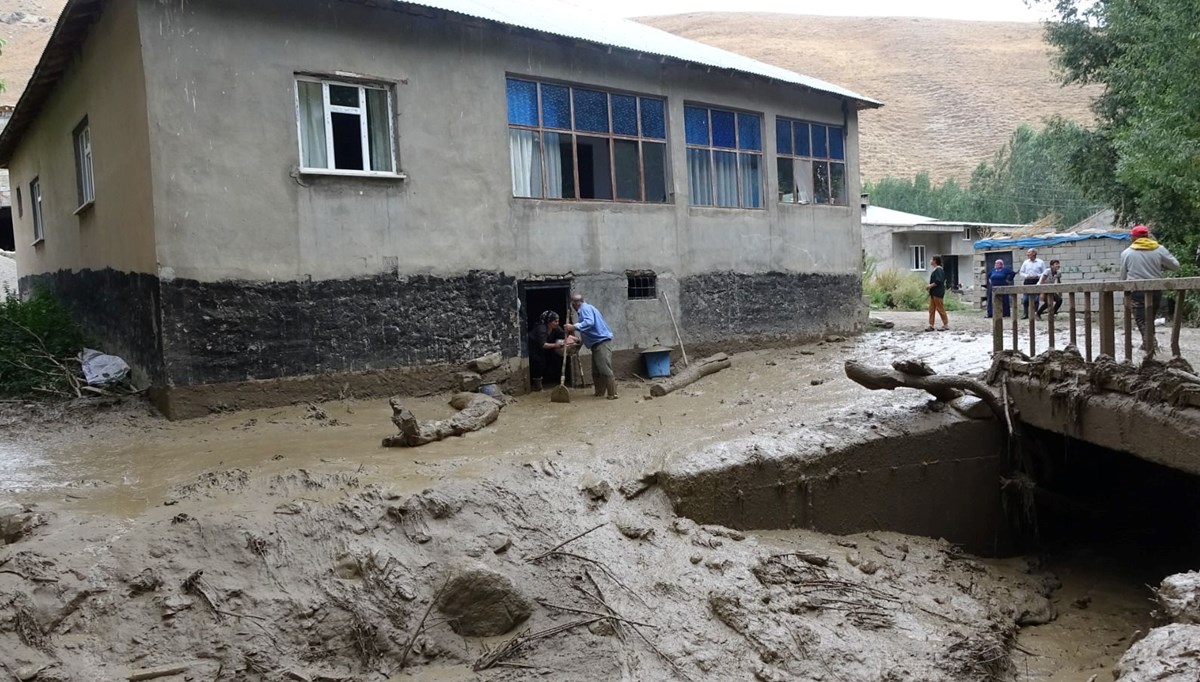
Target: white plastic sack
<point x="100" y="369"/>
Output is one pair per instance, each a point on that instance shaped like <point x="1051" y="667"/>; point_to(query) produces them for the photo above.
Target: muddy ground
<point x="321" y="552"/>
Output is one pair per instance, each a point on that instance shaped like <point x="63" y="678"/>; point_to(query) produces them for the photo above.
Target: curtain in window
<point x="726" y="174"/>
<point x="751" y="180"/>
<point x="554" y="166"/>
<point x="526" y="159"/>
<point x="379" y="131"/>
<point x="312" y="125"/>
<point x="700" y="177"/>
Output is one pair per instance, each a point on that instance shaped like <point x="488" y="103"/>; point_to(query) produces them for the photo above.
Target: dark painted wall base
<point x="722" y="306"/>
<point x="120" y="310"/>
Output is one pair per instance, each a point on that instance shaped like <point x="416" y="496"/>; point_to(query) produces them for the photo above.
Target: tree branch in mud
<point x="519" y="641"/>
<point x="944" y="387"/>
<point x="710" y="365"/>
<point x="476" y="411"/>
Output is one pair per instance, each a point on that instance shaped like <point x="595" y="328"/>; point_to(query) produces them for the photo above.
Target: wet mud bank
<point x="916" y="471"/>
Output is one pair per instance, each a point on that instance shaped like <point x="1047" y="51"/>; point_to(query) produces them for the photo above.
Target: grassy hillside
<point x="953" y="90"/>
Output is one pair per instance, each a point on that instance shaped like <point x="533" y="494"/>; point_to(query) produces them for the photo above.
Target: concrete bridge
<point x="1146" y="406"/>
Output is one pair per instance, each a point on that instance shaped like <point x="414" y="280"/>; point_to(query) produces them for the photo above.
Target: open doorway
<point x="536" y="297"/>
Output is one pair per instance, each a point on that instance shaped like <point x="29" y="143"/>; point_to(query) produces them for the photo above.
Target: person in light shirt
<point x="1030" y="273"/>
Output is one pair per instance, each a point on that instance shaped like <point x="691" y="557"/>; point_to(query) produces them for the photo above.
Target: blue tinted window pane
<point x="654" y="123"/>
<point x="696" y="125"/>
<point x="522" y="102"/>
<point x="749" y="132"/>
<point x="624" y="115"/>
<point x="801" y="133"/>
<point x="820" y="148"/>
<point x="837" y="144"/>
<point x="783" y="136"/>
<point x="591" y="111"/>
<point x="722" y="129"/>
<point x="556" y="107"/>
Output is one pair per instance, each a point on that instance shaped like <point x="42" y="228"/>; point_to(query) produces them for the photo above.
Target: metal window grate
<point x="643" y="287"/>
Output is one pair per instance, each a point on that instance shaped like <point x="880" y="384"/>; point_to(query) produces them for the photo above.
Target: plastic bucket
<point x="658" y="363"/>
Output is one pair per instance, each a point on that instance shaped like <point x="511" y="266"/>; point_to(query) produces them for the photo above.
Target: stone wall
<point x="118" y="310"/>
<point x="723" y="306"/>
<point x="1093" y="260"/>
<point x="233" y="331"/>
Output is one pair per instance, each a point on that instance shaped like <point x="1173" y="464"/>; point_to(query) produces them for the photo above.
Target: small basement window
<point x="643" y="286"/>
<point x="345" y="128"/>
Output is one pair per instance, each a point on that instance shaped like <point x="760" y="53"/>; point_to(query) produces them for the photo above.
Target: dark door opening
<point x="537" y="297"/>
<point x="950" y="267"/>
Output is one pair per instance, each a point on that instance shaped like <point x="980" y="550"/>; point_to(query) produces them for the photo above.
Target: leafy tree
<point x="1026" y="180"/>
<point x="1143" y="156"/>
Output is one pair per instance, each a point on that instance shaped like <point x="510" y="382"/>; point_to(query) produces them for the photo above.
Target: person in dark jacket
<point x="937" y="295"/>
<point x="547" y="343"/>
<point x="1000" y="276"/>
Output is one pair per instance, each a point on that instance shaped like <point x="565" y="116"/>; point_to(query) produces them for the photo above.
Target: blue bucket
<point x="658" y="363"/>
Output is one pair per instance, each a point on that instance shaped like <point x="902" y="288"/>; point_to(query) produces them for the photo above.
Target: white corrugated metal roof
<point x="572" y="22"/>
<point x="878" y="215"/>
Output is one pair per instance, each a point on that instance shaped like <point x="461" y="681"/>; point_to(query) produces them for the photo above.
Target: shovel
<point x="560" y="394"/>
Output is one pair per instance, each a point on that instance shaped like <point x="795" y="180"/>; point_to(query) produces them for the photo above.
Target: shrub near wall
<point x="38" y="345"/>
<point x="902" y="291"/>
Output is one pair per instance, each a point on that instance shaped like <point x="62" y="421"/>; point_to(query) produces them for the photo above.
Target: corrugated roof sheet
<point x="564" y="20"/>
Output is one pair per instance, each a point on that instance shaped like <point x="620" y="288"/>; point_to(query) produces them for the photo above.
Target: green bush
<point x="905" y="290"/>
<point x="39" y="343"/>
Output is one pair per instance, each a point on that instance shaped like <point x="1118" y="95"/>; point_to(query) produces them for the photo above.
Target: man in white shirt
<point x="1030" y="273"/>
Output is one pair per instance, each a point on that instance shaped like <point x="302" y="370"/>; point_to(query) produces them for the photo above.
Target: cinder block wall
<point x="1093" y="260"/>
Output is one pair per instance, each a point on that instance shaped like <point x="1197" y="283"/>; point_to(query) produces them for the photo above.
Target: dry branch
<point x="519" y="641"/>
<point x="702" y="368"/>
<point x="479" y="411"/>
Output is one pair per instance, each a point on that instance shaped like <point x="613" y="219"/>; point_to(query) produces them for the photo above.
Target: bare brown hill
<point x="953" y="90"/>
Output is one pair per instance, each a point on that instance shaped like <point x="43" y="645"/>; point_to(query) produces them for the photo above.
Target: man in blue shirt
<point x="598" y="337"/>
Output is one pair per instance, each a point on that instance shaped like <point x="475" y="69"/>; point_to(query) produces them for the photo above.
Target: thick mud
<point x="320" y="553"/>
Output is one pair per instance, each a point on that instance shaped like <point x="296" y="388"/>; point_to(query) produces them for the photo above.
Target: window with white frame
<point x="811" y="160"/>
<point x="35" y="205"/>
<point x="918" y="258"/>
<point x="345" y="128"/>
<point x="724" y="157"/>
<point x="84" y="182"/>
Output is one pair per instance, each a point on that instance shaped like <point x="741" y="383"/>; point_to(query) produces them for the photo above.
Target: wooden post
<point x="1015" y="324"/>
<point x="1177" y="323"/>
<point x="1127" y="302"/>
<point x="1050" y="324"/>
<point x="1149" y="342"/>
<point x="1032" y="330"/>
<point x="1071" y="309"/>
<point x="997" y="323"/>
<point x="1087" y="325"/>
<point x="1108" y="325"/>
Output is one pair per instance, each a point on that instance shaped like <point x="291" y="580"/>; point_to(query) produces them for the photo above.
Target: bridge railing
<point x="1105" y="295"/>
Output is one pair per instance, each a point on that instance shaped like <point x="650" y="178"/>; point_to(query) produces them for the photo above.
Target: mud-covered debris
<point x="880" y="323"/>
<point x="438" y="505"/>
<point x="723" y="532"/>
<point x="483" y="603"/>
<point x="467" y="381"/>
<point x="807" y="351"/>
<point x="632" y="489"/>
<point x="597" y="491"/>
<point x="147" y="581"/>
<point x="972" y="407"/>
<point x="316" y="413"/>
<point x="817" y="382"/>
<point x="486" y="363"/>
<point x="834" y="338"/>
<point x="869" y="567"/>
<point x="634" y="530"/>
<point x="173" y="604"/>
<point x="1082" y="602"/>
<point x="1033" y="609"/>
<point x="26" y="673"/>
<point x="499" y="543"/>
<point x="18" y="521"/>
<point x="158" y="671"/>
<point x="290" y="508"/>
<point x="1167" y="654"/>
<point x="683" y="525"/>
<point x="1179" y="598"/>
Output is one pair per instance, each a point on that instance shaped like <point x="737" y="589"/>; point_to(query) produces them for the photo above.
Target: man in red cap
<point x="1145" y="259"/>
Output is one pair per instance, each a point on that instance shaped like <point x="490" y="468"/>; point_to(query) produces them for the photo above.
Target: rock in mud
<point x="146" y="581"/>
<point x="971" y="407"/>
<point x="17" y="521"/>
<point x="1179" y="597"/>
<point x="499" y="543"/>
<point x="634" y="530"/>
<point x="1033" y="609"/>
<point x="1167" y="654"/>
<point x="467" y="381"/>
<point x="486" y="363"/>
<point x="482" y="603"/>
<point x="598" y="491"/>
<point x="632" y="489"/>
<point x="437" y="504"/>
<point x="880" y="323"/>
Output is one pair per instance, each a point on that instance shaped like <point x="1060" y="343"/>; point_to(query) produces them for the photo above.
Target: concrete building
<point x="896" y="240"/>
<point x="366" y="194"/>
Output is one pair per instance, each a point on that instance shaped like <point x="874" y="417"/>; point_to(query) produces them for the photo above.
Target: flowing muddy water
<point x="126" y="463"/>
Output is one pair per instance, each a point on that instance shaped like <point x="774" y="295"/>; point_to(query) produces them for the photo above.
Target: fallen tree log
<point x="476" y="411"/>
<point x="945" y="387"/>
<point x="698" y="370"/>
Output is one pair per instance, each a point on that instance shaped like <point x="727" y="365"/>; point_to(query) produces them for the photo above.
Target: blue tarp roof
<point x="1047" y="240"/>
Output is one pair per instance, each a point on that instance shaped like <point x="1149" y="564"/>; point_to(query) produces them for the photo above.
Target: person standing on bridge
<point x="1145" y="259"/>
<point x="1030" y="273"/>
